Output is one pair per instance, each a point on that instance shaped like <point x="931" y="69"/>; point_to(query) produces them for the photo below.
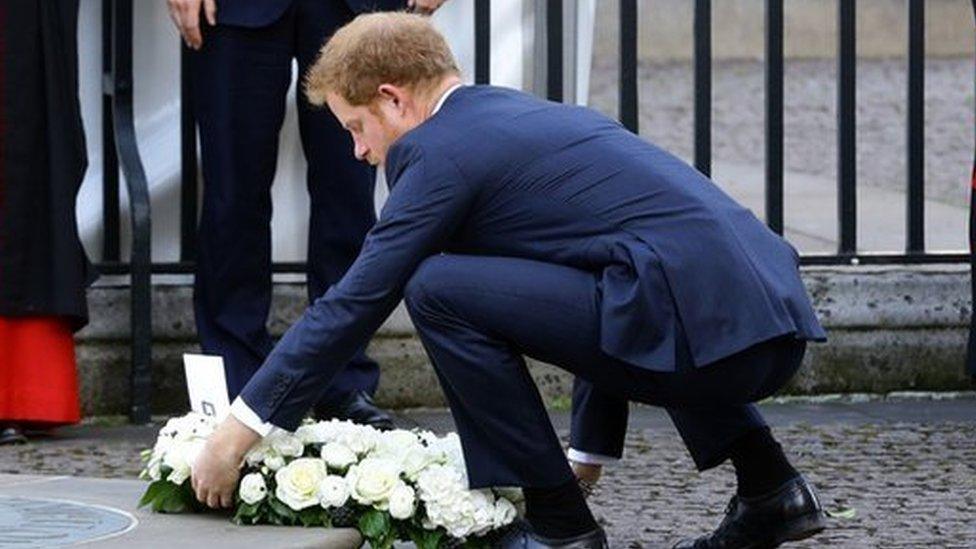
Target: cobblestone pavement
<point x="810" y="144"/>
<point x="907" y="469"/>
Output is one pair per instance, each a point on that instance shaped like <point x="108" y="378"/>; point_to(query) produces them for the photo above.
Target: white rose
<point x="338" y="456"/>
<point x="274" y="462"/>
<point x="253" y="489"/>
<point x="416" y="459"/>
<point x="372" y="480"/>
<point x="286" y="444"/>
<point x="298" y="482"/>
<point x="505" y="513"/>
<point x="333" y="492"/>
<point x="402" y="502"/>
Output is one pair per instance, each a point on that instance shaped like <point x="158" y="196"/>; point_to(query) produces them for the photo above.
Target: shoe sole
<point x="798" y="529"/>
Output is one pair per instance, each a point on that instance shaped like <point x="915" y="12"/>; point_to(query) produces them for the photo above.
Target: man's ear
<point x="392" y="94"/>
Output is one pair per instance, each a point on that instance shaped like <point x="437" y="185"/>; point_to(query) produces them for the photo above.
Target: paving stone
<point x="908" y="469"/>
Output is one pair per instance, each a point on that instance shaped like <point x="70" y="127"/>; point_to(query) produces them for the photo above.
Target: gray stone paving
<point x="907" y="467"/>
<point x="810" y="145"/>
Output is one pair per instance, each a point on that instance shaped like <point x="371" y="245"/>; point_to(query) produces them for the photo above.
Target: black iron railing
<point x="119" y="143"/>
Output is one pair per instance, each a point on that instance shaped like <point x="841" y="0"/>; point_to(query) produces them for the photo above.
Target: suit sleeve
<point x="428" y="201"/>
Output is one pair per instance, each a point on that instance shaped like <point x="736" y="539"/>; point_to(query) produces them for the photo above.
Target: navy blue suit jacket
<point x="498" y="172"/>
<point x="260" y="13"/>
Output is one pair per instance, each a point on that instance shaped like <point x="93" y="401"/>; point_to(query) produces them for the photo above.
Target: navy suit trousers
<point x="241" y="78"/>
<point x="477" y="316"/>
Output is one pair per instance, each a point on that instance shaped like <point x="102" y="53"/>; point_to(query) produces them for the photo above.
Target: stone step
<point x="890" y="329"/>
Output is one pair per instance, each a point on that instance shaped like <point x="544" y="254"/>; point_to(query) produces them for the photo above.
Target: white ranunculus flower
<point x="298" y="482"/>
<point x="482" y="511"/>
<point x="372" y="480"/>
<point x="438" y="483"/>
<point x="274" y="462"/>
<point x="505" y="513"/>
<point x="402" y="502"/>
<point x="338" y="456"/>
<point x="153" y="467"/>
<point x="286" y="444"/>
<point x="320" y="432"/>
<point x="455" y="515"/>
<point x="180" y="458"/>
<point x="258" y="454"/>
<point x="253" y="489"/>
<point x="361" y="439"/>
<point x="333" y="492"/>
<point x="449" y="451"/>
<point x="394" y="442"/>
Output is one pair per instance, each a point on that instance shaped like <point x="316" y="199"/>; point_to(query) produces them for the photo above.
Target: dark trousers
<point x="478" y="315"/>
<point x="241" y="78"/>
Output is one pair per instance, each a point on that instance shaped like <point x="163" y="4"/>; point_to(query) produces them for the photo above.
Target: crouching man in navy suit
<point x="518" y="227"/>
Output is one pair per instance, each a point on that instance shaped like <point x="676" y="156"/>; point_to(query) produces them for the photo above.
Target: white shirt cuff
<point x="246" y="415"/>
<point x="590" y="459"/>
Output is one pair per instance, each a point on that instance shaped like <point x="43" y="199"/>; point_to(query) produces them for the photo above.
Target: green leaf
<point x="426" y="539"/>
<point x="313" y="516"/>
<point x="152" y="492"/>
<point x="374" y="524"/>
<point x="167" y="497"/>
<point x="846" y="513"/>
<point x="280" y="509"/>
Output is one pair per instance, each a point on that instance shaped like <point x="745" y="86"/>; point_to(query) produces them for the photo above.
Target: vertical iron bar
<point x="628" y="64"/>
<point x="482" y="41"/>
<point x="774" y="115"/>
<point x="846" y="124"/>
<point x="110" y="161"/>
<point x="140" y="262"/>
<point x="915" y="140"/>
<point x="554" y="50"/>
<point x="703" y="86"/>
<point x="188" y="157"/>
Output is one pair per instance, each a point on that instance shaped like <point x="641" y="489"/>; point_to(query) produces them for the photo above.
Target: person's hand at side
<point x="186" y="16"/>
<point x="425" y="6"/>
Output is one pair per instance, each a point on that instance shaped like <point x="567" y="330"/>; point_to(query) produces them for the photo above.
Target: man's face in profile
<point x="371" y="126"/>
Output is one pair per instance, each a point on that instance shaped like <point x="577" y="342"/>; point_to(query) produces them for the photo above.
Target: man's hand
<point x="425" y="6"/>
<point x="218" y="467"/>
<point x="186" y="16"/>
<point x="587" y="475"/>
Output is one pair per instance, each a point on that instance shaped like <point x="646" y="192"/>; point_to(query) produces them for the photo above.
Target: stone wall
<point x="893" y="328"/>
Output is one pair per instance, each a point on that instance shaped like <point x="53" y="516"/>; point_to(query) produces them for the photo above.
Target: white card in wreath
<point x="207" y="385"/>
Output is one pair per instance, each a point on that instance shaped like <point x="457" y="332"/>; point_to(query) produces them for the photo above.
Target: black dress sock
<point x="558" y="512"/>
<point x="760" y="465"/>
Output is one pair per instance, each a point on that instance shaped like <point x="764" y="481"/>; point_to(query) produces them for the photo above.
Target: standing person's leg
<point x="342" y="211"/>
<point x="240" y="79"/>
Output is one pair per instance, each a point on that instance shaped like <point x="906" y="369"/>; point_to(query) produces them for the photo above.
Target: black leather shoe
<point x="11" y="434"/>
<point x="791" y="512"/>
<point x="358" y="407"/>
<point x="520" y="536"/>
